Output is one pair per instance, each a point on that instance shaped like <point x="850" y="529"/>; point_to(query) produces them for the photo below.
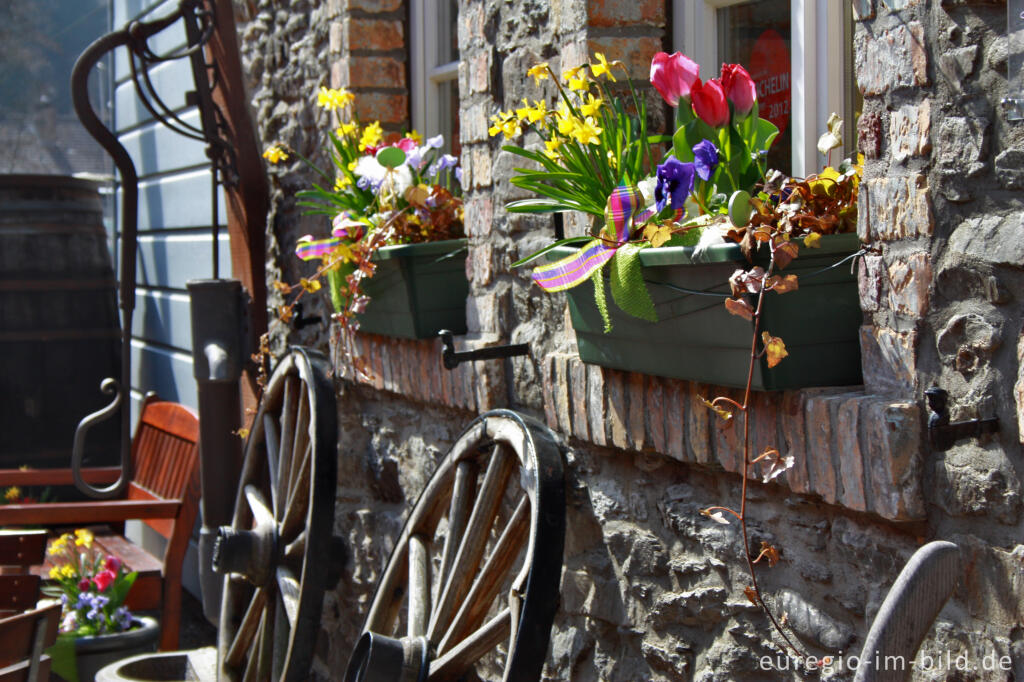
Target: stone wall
<point x="651" y="589"/>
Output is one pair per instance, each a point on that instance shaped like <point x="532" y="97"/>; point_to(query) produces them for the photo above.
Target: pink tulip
<point x="112" y="563"/>
<point x="709" y="103"/>
<point x="673" y="76"/>
<point x="103" y="579"/>
<point x="739" y="88"/>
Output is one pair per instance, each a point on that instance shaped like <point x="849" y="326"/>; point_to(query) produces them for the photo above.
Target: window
<point x="800" y="54"/>
<point x="434" y="52"/>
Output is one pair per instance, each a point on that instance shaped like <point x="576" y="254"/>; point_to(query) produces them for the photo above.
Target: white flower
<point x="395" y="181"/>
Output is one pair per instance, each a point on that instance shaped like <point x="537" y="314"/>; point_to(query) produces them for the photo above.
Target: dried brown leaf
<point x="739" y="306"/>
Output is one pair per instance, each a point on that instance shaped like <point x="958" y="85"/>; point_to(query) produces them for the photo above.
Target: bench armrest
<point x="30" y="477"/>
<point x="84" y="513"/>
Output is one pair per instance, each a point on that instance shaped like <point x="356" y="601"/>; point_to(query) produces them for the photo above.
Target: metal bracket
<point x="453" y="359"/>
<point x="941" y="432"/>
<point x="298" y="321"/>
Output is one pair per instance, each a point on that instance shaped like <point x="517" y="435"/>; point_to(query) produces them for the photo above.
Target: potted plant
<point x="96" y="627"/>
<point x="395" y="261"/>
<point x="676" y="234"/>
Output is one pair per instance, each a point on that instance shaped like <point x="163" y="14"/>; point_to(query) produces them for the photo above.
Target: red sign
<point x="769" y="67"/>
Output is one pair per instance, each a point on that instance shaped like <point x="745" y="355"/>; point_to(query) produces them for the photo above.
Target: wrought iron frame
<point x="198" y="17"/>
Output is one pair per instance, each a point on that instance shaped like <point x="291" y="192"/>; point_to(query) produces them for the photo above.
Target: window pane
<point x="448" y="104"/>
<point x="756" y="35"/>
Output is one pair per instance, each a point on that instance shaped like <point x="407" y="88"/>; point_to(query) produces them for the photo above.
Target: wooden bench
<point x="26" y="630"/>
<point x="163" y="494"/>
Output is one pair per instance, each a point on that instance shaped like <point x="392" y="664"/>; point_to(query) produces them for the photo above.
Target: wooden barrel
<point x="59" y="327"/>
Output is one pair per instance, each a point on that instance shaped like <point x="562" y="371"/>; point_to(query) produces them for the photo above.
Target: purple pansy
<point x="675" y="182"/>
<point x="705" y="159"/>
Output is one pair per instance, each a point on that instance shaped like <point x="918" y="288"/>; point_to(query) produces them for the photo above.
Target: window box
<point x="417" y="290"/>
<point x="697" y="339"/>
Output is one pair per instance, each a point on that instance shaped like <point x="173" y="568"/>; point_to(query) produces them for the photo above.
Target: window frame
<point x="428" y="32"/>
<point x="818" y="55"/>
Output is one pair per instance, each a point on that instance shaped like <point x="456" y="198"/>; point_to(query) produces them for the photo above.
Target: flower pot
<point x="92" y="653"/>
<point x="697" y="339"/>
<point x="417" y="290"/>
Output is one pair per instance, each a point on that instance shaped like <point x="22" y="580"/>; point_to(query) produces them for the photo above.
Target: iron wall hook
<point x="452" y="358"/>
<point x="941" y="432"/>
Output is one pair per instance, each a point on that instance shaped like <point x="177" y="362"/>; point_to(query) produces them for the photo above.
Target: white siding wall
<point x="175" y="240"/>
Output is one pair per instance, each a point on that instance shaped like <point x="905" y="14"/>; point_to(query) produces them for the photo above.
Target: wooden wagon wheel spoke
<point x="273" y="444"/>
<point x="298" y="496"/>
<point x="467" y="559"/>
<point x="485" y="530"/>
<point x="288" y="587"/>
<point x="487" y="584"/>
<point x="277" y="552"/>
<point x="258" y="505"/>
<point x="289" y="407"/>
<point x="247" y="628"/>
<point x="457" y="662"/>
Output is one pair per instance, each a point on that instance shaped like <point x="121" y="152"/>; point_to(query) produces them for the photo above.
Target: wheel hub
<point x="385" y="659"/>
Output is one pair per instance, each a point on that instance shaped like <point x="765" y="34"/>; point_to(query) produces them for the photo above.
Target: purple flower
<point x="367" y="182"/>
<point x="458" y="174"/>
<point x="444" y="163"/>
<point x="675" y="182"/>
<point x="705" y="159"/>
<point x="414" y="157"/>
<point x="435" y="142"/>
<point x="123" y="617"/>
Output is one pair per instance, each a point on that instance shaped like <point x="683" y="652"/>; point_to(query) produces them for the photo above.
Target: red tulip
<point x="709" y="102"/>
<point x="112" y="563"/>
<point x="84" y="584"/>
<point x="673" y="76"/>
<point x="739" y="88"/>
<point x="103" y="579"/>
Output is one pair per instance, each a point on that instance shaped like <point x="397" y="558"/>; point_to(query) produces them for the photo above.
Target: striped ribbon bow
<point x="345" y="228"/>
<point x="577" y="268"/>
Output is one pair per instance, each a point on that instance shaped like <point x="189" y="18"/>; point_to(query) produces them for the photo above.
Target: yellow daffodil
<point x="275" y="154"/>
<point x="523" y="112"/>
<point x="613" y="160"/>
<point x="551" y="147"/>
<point x="505" y="122"/>
<point x="341" y="183"/>
<point x="573" y="72"/>
<point x="346" y="128"/>
<point x="587" y="131"/>
<point x="580" y="83"/>
<point x="591" y="105"/>
<point x="602" y="68"/>
<point x="372" y="136"/>
<point x="537" y="112"/>
<point x="67" y="571"/>
<point x="415" y="137"/>
<point x="565" y="120"/>
<point x="58" y="545"/>
<point x="13" y="493"/>
<point x="55" y="573"/>
<point x="539" y="72"/>
<point x="352" y="165"/>
<point x="332" y="99"/>
<point x="83" y="538"/>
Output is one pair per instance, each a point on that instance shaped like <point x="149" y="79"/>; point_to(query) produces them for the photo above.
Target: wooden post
<point x="247" y="201"/>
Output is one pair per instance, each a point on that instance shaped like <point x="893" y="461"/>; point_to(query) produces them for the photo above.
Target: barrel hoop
<point x="46" y="335"/>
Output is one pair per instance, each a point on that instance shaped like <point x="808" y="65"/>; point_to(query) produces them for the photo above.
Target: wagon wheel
<point x="273" y="555"/>
<point x="455" y="592"/>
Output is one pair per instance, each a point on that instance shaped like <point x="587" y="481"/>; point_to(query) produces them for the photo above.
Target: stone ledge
<point x="856" y="450"/>
<point x="413" y="370"/>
